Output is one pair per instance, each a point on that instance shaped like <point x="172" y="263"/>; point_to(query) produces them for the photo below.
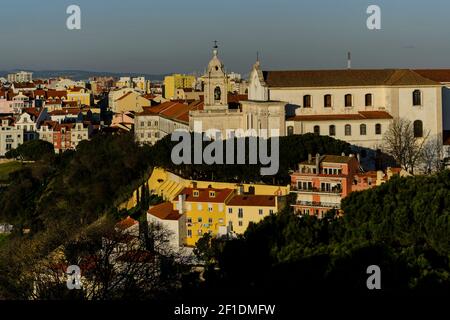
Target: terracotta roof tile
<point x="164" y="211"/>
<point x="221" y="195"/>
<point x="358" y="116"/>
<point x="345" y="77"/>
<point x="252" y="200"/>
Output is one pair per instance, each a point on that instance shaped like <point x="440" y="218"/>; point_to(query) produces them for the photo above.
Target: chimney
<point x="181" y="199"/>
<point x="240" y="189"/>
<point x="317" y="163"/>
<point x="349" y="60"/>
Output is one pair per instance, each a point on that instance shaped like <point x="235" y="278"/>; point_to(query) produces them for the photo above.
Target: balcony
<point x="318" y="204"/>
<point x="317" y="190"/>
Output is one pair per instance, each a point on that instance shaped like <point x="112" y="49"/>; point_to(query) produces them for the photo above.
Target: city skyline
<point x="156" y="38"/>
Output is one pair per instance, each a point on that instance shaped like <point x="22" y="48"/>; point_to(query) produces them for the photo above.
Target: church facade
<point x="261" y="118"/>
<point x="356" y="106"/>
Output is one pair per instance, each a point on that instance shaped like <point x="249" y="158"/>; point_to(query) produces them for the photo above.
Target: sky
<point x="166" y="36"/>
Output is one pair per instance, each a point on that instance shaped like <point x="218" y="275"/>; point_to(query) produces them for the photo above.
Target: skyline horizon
<point x="157" y="37"/>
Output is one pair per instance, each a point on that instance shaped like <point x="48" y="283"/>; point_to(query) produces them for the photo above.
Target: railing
<point x="335" y="191"/>
<point x="319" y="204"/>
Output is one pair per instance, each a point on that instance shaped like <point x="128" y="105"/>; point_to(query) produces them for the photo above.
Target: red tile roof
<point x="358" y="116"/>
<point x="32" y="111"/>
<point x="345" y="77"/>
<point x="252" y="200"/>
<point x="126" y="223"/>
<point x="438" y="75"/>
<point x="164" y="211"/>
<point x="221" y="195"/>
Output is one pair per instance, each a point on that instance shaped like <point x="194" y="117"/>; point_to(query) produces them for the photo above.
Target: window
<point x="217" y="94"/>
<point x="260" y="211"/>
<point x="271" y="211"/>
<point x="418" y="128"/>
<point x="149" y="123"/>
<point x="348" y="130"/>
<point x="240" y="223"/>
<point x="220" y="207"/>
<point x="189" y="233"/>
<point x="199" y="219"/>
<point x="189" y="220"/>
<point x="327" y="100"/>
<point x="348" y="100"/>
<point x="307" y="101"/>
<point x="317" y="130"/>
<point x="210" y="220"/>
<point x="240" y="213"/>
<point x="378" y="128"/>
<point x="230" y="210"/>
<point x="332" y="130"/>
<point x="196" y="193"/>
<point x="156" y="123"/>
<point x="368" y="100"/>
<point x="417" y="98"/>
<point x="362" y="130"/>
<point x="210" y="207"/>
<point x="220" y="220"/>
<point x="212" y="194"/>
<point x="142" y="124"/>
<point x="200" y="207"/>
<point x="290" y="130"/>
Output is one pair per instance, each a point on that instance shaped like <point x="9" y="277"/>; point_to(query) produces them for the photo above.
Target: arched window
<point x="217" y="94"/>
<point x="362" y="129"/>
<point x="317" y="130"/>
<point x="332" y="130"/>
<point x="307" y="101"/>
<point x="418" y="128"/>
<point x="368" y="99"/>
<point x="348" y="130"/>
<point x="327" y="100"/>
<point x="417" y="98"/>
<point x="290" y="130"/>
<point x="378" y="128"/>
<point x="348" y="100"/>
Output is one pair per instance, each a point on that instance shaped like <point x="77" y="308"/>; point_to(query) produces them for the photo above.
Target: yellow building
<point x="130" y="101"/>
<point x="177" y="81"/>
<point x="243" y="209"/>
<point x="81" y="95"/>
<point x="205" y="211"/>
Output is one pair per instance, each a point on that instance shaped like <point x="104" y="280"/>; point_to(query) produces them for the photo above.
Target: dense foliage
<point x="292" y="150"/>
<point x="402" y="226"/>
<point x="32" y="150"/>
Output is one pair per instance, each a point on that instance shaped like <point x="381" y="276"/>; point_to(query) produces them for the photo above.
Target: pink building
<point x="322" y="182"/>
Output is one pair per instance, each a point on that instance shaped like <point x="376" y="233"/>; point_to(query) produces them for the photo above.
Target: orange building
<point x="322" y="182"/>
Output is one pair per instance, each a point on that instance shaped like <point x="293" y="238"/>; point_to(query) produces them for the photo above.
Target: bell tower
<point x="215" y="84"/>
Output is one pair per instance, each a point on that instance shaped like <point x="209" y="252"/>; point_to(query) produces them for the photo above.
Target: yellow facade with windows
<point x="177" y="81"/>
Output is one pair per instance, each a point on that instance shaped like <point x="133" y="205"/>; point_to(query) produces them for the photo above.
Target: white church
<point x="353" y="105"/>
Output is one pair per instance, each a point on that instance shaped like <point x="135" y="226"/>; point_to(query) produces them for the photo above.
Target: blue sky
<point x="176" y="35"/>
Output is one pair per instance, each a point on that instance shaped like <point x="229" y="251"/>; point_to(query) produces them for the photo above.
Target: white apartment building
<point x="10" y="136"/>
<point x="21" y="76"/>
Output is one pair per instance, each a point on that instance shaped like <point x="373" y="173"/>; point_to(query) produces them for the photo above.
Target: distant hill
<point x="83" y="75"/>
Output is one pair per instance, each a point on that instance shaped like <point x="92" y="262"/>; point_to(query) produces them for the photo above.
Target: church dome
<point x="215" y="66"/>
